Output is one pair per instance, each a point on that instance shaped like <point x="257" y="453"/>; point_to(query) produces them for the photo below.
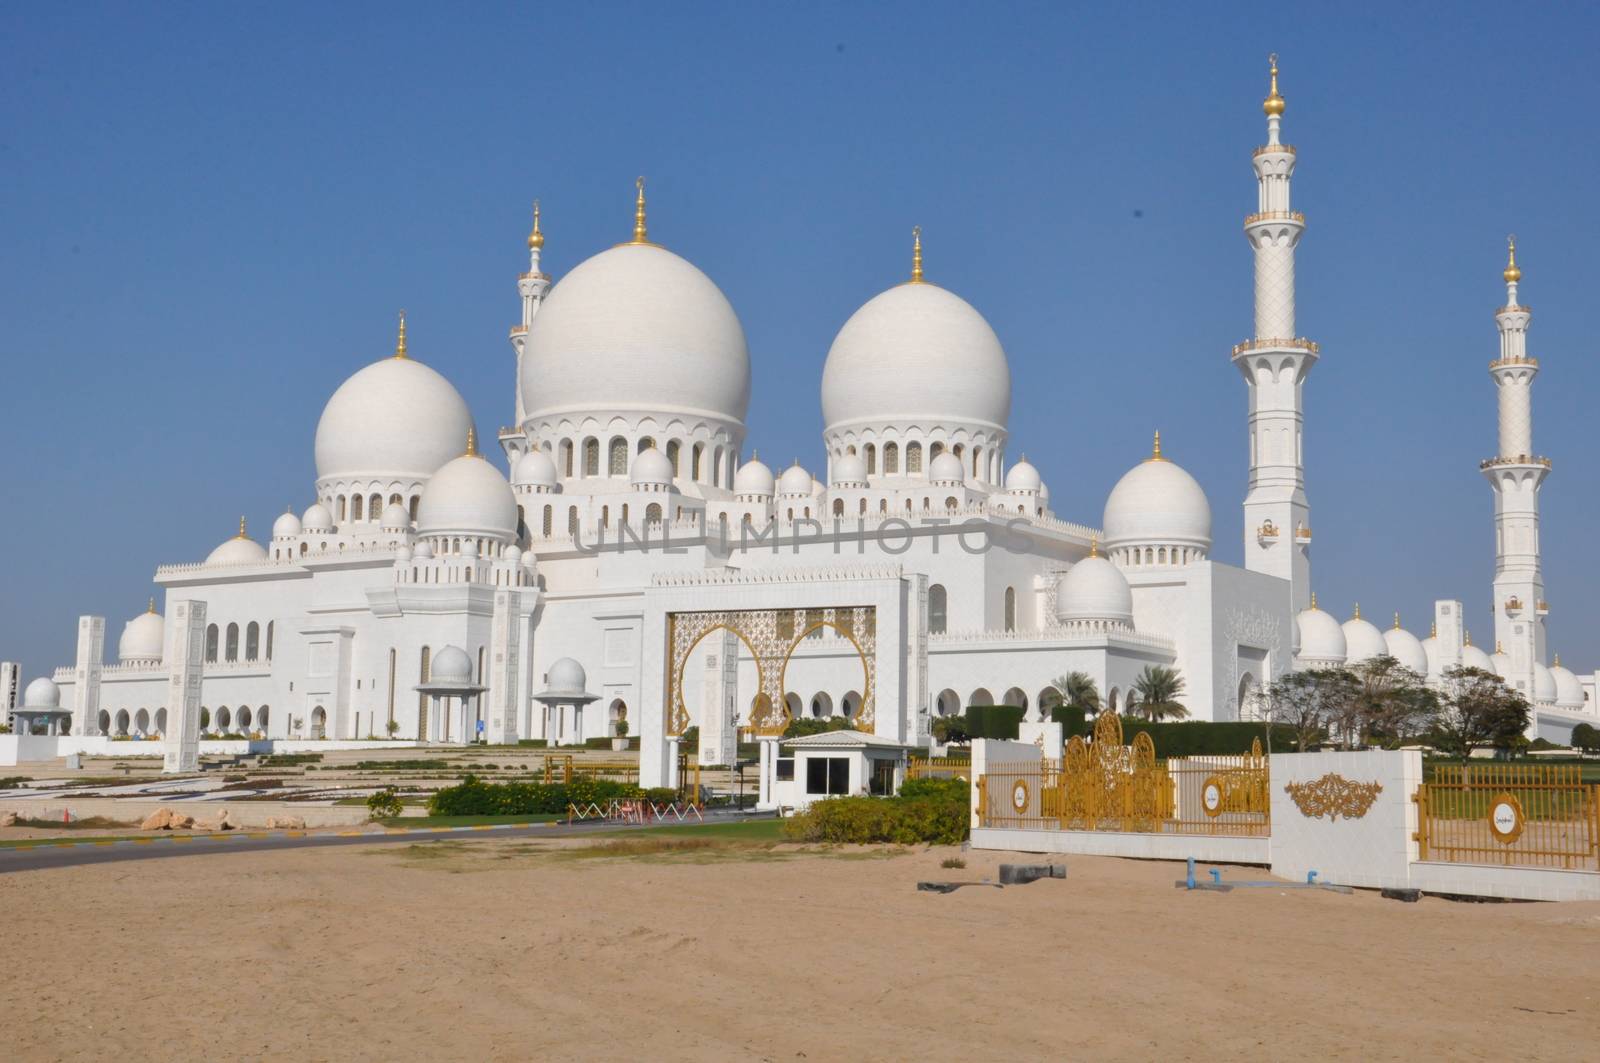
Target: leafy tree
<point x="1305" y="701"/>
<point x="1586" y="737"/>
<point x="950" y="729"/>
<point x="1078" y="691"/>
<point x="1478" y="709"/>
<point x="1156" y="693"/>
<point x="1391" y="702"/>
<point x="385" y="804"/>
<point x="800" y="726"/>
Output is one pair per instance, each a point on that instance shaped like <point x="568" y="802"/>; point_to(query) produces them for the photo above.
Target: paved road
<point x="148" y="847"/>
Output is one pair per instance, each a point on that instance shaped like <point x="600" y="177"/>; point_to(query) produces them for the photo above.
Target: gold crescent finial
<point x="400" y="341"/>
<point x="1512" y="272"/>
<point x="241" y="528"/>
<point x="1155" y="450"/>
<point x="1094" y="546"/>
<point x="916" y="254"/>
<point x="1358" y="612"/>
<point x="1397" y="621"/>
<point x="1274" y="104"/>
<point x="153" y="609"/>
<point x="1313" y="599"/>
<point x="1558" y="656"/>
<point x="535" y="238"/>
<point x="640" y="235"/>
<point x="472" y="440"/>
<point x="1433" y="630"/>
<point x="1466" y="637"/>
<point x="1497" y="647"/>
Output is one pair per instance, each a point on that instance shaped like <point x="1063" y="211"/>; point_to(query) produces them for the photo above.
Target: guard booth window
<point x="827" y="776"/>
<point x="785" y="769"/>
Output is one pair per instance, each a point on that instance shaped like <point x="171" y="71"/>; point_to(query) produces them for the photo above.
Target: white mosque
<point x="639" y="568"/>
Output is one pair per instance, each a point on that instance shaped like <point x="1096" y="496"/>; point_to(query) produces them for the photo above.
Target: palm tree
<point x="1158" y="689"/>
<point x="1078" y="691"/>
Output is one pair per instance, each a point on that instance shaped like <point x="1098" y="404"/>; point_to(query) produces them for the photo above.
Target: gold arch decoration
<point x="767" y="635"/>
<point x="1333" y="796"/>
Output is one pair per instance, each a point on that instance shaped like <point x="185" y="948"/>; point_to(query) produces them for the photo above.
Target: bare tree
<point x="1478" y="709"/>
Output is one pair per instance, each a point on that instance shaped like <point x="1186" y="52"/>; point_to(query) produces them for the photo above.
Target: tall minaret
<point x="1277" y="518"/>
<point x="1516" y="475"/>
<point x="532" y="286"/>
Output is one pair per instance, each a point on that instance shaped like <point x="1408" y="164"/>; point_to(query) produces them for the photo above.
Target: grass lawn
<point x="32" y="843"/>
<point x="419" y="822"/>
<point x="755" y="830"/>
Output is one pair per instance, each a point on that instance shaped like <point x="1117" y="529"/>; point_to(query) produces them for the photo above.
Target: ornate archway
<point x="769" y="636"/>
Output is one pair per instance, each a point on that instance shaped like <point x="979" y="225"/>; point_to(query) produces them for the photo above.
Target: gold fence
<point x="1510" y="815"/>
<point x="1107" y="786"/>
<point x="939" y="768"/>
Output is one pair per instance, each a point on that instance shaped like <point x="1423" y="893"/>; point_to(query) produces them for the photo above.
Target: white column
<point x="90" y="663"/>
<point x="769" y="771"/>
<point x="186" y="645"/>
<point x="504" y="668"/>
<point x="673" y="778"/>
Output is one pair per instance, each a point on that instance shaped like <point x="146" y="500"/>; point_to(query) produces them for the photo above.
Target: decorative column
<point x="769" y="771"/>
<point x="505" y="664"/>
<point x="86" y="673"/>
<point x="1516" y="476"/>
<point x="186" y="635"/>
<point x="532" y="287"/>
<point x="1275" y="363"/>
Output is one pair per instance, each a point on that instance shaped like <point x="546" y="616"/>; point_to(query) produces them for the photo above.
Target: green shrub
<point x="1197" y="738"/>
<point x="993" y="721"/>
<point x="869" y="820"/>
<point x="800" y="726"/>
<point x="385" y="804"/>
<point x="950" y="729"/>
<point x="1073" y="720"/>
<point x="475" y="797"/>
<point x="952" y="862"/>
<point x="691" y="739"/>
<point x="947" y="789"/>
<point x="534" y="743"/>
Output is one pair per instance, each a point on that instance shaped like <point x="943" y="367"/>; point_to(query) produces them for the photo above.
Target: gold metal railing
<point x="1107" y="786"/>
<point x="1275" y="215"/>
<point x="1298" y="344"/>
<point x="939" y="768"/>
<point x="1509" y="815"/>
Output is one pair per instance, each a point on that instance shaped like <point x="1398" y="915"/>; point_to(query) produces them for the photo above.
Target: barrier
<point x="1509" y="815"/>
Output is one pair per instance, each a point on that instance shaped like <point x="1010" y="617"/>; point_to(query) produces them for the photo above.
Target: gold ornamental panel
<point x="1333" y="796"/>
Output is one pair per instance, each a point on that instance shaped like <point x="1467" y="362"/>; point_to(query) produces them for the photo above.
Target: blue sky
<point x="211" y="215"/>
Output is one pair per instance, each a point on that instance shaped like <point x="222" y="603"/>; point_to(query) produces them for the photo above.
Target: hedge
<point x="993" y="721"/>
<point x="869" y="820"/>
<point x="474" y="797"/>
<point x="1199" y="738"/>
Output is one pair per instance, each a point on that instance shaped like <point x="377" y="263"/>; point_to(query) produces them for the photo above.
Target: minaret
<point x="532" y="286"/>
<point x="1277" y="517"/>
<point x="1516" y="475"/>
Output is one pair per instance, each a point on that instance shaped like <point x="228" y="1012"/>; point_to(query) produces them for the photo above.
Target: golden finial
<point x="1094" y="546"/>
<point x="1497" y="647"/>
<point x="1397" y="621"/>
<point x="1466" y="638"/>
<point x="1155" y="450"/>
<point x="1274" y="104"/>
<point x="400" y="341"/>
<point x="916" y="254"/>
<point x="153" y="609"/>
<point x="639" y="235"/>
<point x="1313" y="599"/>
<point x="241" y="534"/>
<point x="1512" y="273"/>
<point x="1557" y="664"/>
<point x="1433" y="630"/>
<point x="535" y="238"/>
<point x="472" y="441"/>
<point x="1358" y="612"/>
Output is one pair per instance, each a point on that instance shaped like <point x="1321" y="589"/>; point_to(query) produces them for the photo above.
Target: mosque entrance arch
<point x="821" y="704"/>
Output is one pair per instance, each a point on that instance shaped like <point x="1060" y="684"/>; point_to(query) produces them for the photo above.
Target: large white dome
<point x="754" y="478"/>
<point x="143" y="637"/>
<point x="394" y="419"/>
<point x="1362" y="640"/>
<point x="1569" y="692"/>
<point x="468" y="496"/>
<point x="916" y="353"/>
<point x="42" y="693"/>
<point x="1322" y="642"/>
<point x="1405" y="648"/>
<point x="1157" y="502"/>
<point x="240" y="550"/>
<point x="1474" y="657"/>
<point x="636" y="328"/>
<point x="1544" y="685"/>
<point x="1094" y="589"/>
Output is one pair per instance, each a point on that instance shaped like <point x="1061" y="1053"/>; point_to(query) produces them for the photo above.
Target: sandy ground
<point x="520" y="950"/>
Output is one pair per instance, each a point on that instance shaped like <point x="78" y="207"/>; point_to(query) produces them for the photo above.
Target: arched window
<point x="572" y="521"/>
<point x="252" y="641"/>
<point x="341" y="509"/>
<point x="566" y="458"/>
<point x="424" y="674"/>
<point x="605" y="516"/>
<point x="396" y="500"/>
<point x="672" y="457"/>
<point x="618" y="463"/>
<point x="694" y="461"/>
<point x="231" y="650"/>
<point x="934" y="450"/>
<point x="355" y="507"/>
<point x="838" y="507"/>
<point x="645" y="443"/>
<point x="652" y="512"/>
<point x="211" y="642"/>
<point x="716" y="465"/>
<point x="549" y="515"/>
<point x="938" y="606"/>
<point x="591" y="457"/>
<point x="412" y="507"/>
<point x="270" y="625"/>
<point x="950" y="503"/>
<point x="913" y="458"/>
<point x="863" y="507"/>
<point x="891" y="459"/>
<point x="977" y="464"/>
<point x="872" y="460"/>
<point x="261" y="719"/>
<point x="374" y="507"/>
<point x="1011" y="609"/>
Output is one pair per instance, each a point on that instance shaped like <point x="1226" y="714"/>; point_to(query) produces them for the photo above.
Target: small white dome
<point x="916" y="353"/>
<point x="404" y="552"/>
<point x="240" y="550"/>
<point x="1023" y="477"/>
<point x="1404" y="647"/>
<point x="450" y="665"/>
<point x="512" y="553"/>
<point x="1094" y="589"/>
<point x="636" y="328"/>
<point x="851" y="471"/>
<point x="795" y="481"/>
<point x="423" y="550"/>
<point x="143" y="637"/>
<point x="1362" y="641"/>
<point x="651" y="468"/>
<point x="317" y="518"/>
<point x="1430" y="647"/>
<point x="286" y="525"/>
<point x="1569" y="692"/>
<point x="1473" y="657"/>
<point x="395" y="518"/>
<point x="535" y="469"/>
<point x="566" y="676"/>
<point x="753" y="478"/>
<point x="42" y="693"/>
<point x="1157" y="502"/>
<point x="468" y="496"/>
<point x="1322" y="641"/>
<point x="393" y="419"/>
<point x="1544" y="685"/>
<point x="945" y="469"/>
